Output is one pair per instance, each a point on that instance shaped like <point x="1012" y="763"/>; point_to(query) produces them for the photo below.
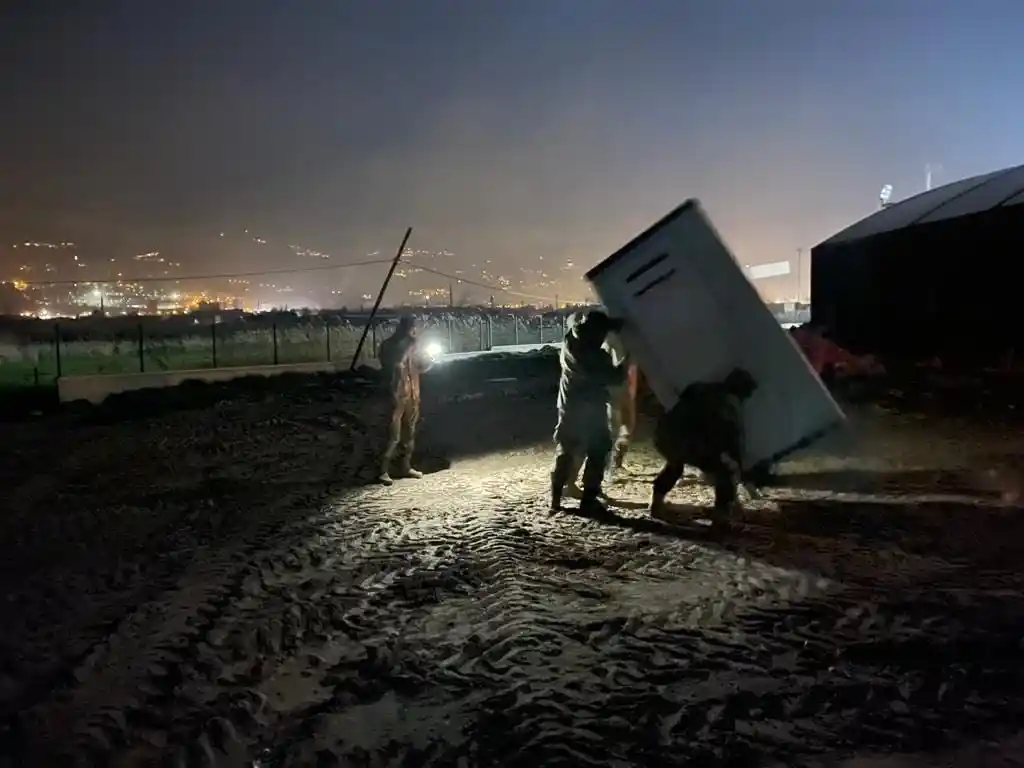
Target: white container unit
<point x="691" y="315"/>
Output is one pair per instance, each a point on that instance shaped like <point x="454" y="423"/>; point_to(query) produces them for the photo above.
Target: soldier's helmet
<point x="741" y="383"/>
<point x="598" y="321"/>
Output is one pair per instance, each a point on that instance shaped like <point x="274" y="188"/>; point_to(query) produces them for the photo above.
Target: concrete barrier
<point x="504" y="349"/>
<point x="97" y="388"/>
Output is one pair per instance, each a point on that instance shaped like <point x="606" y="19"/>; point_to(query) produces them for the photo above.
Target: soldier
<point x="402" y="361"/>
<point x="623" y="406"/>
<point x="623" y="402"/>
<point x="583" y="432"/>
<point x="705" y="430"/>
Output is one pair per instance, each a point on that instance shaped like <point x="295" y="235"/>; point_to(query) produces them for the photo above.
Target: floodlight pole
<point x="799" y="275"/>
<point x="380" y="297"/>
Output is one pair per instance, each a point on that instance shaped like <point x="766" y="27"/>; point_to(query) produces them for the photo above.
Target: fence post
<point x="481" y="320"/>
<point x="373" y="339"/>
<point x="327" y="328"/>
<point x="541" y="320"/>
<point x="490" y="332"/>
<point x="142" y="350"/>
<point x="450" y="334"/>
<point x="213" y="338"/>
<point x="273" y="330"/>
<point x="56" y="348"/>
<point x="515" y="327"/>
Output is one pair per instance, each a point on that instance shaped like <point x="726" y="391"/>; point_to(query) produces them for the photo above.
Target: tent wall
<point x="947" y="289"/>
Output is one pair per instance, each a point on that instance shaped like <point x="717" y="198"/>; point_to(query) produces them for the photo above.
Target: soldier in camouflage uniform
<point x="623" y="405"/>
<point x="583" y="433"/>
<point x="402" y="360"/>
<point x="705" y="430"/>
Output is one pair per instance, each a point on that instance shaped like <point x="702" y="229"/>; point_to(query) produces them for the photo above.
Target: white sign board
<point x="692" y="315"/>
<point x="764" y="271"/>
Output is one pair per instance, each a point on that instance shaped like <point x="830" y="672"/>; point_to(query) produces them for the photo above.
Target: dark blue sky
<point x="509" y="128"/>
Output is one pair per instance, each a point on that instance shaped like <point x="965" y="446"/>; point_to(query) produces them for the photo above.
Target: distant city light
<point x="69" y="280"/>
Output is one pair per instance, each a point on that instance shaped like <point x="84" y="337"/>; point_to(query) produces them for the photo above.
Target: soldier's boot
<point x="572" y="487"/>
<point x="593" y="473"/>
<point x="405" y="468"/>
<point x="727" y="504"/>
<point x="591" y="502"/>
<point x="556" y="493"/>
<point x="561" y="475"/>
<point x="663" y="485"/>
<point x="384" y="472"/>
<point x="657" y="503"/>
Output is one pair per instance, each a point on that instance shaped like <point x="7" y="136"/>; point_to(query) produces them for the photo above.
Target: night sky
<point x="499" y="128"/>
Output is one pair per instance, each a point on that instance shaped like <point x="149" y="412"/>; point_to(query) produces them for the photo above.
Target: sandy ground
<point x="217" y="587"/>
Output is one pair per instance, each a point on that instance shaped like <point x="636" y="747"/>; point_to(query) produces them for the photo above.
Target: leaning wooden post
<point x="380" y="297"/>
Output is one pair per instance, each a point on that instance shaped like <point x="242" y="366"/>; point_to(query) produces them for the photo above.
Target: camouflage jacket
<point x="402" y="365"/>
<point x="588" y="374"/>
<point x="706" y="422"/>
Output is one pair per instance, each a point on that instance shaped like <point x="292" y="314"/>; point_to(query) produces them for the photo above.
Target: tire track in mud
<point x="537" y="679"/>
<point x="103" y="536"/>
<point x="454" y="604"/>
<point x="124" y="680"/>
<point x="453" y="619"/>
<point x="216" y="579"/>
<point x="114" y="689"/>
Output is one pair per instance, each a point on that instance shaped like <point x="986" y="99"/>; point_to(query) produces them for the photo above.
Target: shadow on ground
<point x="922" y="481"/>
<point x="961" y="532"/>
<point x="839" y="537"/>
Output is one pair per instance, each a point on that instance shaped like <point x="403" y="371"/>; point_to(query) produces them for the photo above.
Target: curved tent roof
<point x="977" y="194"/>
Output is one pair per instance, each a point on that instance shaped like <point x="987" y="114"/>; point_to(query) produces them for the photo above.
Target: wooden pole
<point x="380" y="297"/>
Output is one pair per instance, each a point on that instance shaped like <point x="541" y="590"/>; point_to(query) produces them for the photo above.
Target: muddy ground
<point x="216" y="585"/>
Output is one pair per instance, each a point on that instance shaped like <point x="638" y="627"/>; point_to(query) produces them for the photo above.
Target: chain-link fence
<point x="149" y="344"/>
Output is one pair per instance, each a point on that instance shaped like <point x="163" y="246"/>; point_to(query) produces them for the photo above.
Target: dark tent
<point x="933" y="275"/>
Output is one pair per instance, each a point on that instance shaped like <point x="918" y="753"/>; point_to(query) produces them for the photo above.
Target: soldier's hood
<point x="596" y="315"/>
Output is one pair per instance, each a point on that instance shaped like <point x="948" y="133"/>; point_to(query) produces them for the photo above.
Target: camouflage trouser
<point x="583" y="437"/>
<point x="401" y="437"/>
<point x="722" y="475"/>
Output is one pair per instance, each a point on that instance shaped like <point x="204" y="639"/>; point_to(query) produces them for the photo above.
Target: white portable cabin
<point x="692" y="315"/>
